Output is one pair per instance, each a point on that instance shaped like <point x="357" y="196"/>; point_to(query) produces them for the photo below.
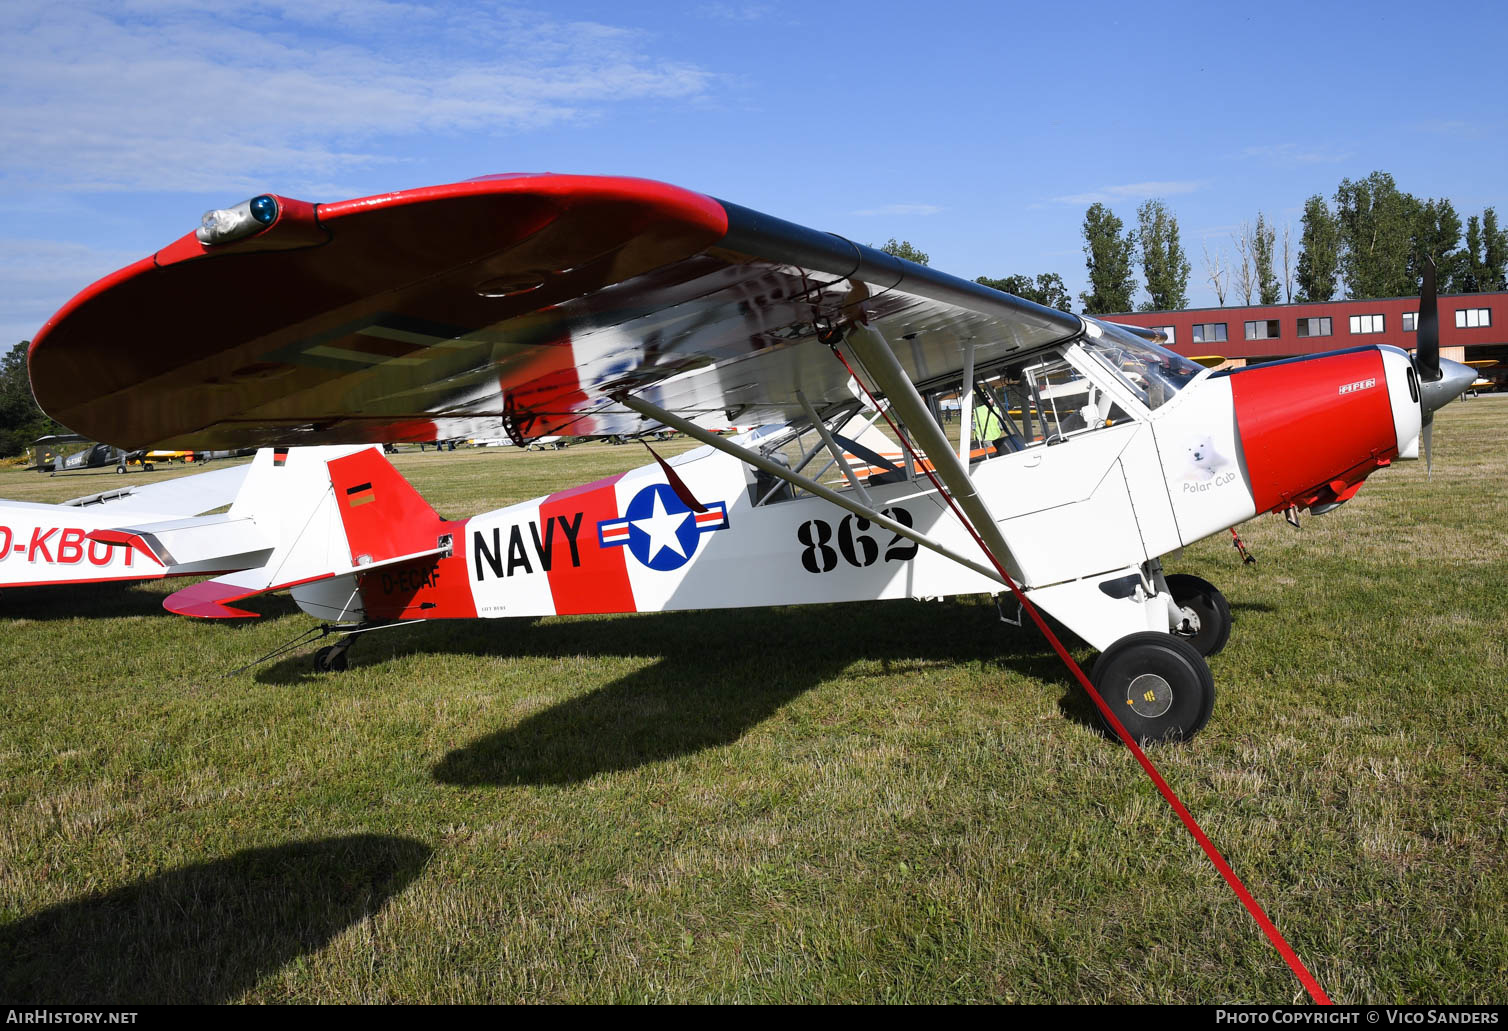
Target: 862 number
<point x="854" y="545"/>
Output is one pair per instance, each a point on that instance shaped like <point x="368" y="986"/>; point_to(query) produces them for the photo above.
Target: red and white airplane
<point x="89" y="539"/>
<point x="920" y="435"/>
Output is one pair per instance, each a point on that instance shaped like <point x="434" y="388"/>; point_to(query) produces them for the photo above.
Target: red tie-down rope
<point x="1252" y="906"/>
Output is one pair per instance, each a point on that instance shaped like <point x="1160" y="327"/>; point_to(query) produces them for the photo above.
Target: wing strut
<point x="837" y="452"/>
<point x="966" y="406"/>
<point x="759" y="461"/>
<point x="875" y="354"/>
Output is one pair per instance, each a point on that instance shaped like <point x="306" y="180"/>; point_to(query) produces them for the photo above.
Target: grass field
<point x="892" y="802"/>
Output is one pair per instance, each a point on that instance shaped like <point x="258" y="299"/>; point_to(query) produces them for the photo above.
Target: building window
<point x="1366" y="323"/>
<point x="1167" y="333"/>
<point x="1411" y="322"/>
<point x="1473" y="318"/>
<point x="1209" y="332"/>
<point x="1314" y="327"/>
<point x="1262" y="330"/>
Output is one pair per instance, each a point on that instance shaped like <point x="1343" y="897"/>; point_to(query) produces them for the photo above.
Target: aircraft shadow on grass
<point x="110" y="601"/>
<point x="719" y="674"/>
<point x="204" y="933"/>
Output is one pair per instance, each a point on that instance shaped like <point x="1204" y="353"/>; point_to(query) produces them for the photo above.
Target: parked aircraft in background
<point x="72" y="542"/>
<point x="1079" y="452"/>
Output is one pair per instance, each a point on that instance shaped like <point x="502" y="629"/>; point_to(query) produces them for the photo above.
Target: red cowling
<point x="1312" y="430"/>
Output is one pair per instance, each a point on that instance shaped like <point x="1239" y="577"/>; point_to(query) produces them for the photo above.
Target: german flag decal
<point x="360" y="494"/>
<point x="279" y="457"/>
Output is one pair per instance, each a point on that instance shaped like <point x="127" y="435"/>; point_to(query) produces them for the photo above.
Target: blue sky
<point x="979" y="132"/>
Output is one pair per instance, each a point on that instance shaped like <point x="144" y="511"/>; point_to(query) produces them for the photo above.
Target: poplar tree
<point x="1319" y="251"/>
<point x="1470" y="273"/>
<point x="1163" y="262"/>
<point x="1494" y="253"/>
<point x="1376" y="222"/>
<point x="1437" y="232"/>
<point x="1269" y="289"/>
<point x="1107" y="258"/>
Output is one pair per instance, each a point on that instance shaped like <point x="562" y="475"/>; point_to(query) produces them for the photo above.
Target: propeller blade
<point x="1427" y="356"/>
<point x="1427" y="439"/>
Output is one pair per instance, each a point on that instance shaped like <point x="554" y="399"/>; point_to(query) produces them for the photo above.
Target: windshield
<point x="1154" y="373"/>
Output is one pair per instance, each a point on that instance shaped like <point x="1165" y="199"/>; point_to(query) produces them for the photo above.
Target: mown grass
<point x="897" y="802"/>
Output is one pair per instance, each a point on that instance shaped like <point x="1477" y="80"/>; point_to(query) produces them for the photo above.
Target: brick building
<point x="1473" y="329"/>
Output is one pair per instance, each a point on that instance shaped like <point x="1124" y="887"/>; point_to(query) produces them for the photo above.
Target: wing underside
<point x="519" y="305"/>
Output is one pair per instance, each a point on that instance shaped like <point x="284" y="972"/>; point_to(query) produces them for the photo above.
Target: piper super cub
<point x="918" y="435"/>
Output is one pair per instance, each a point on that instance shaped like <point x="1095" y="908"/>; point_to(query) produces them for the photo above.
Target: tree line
<point x="21" y="421"/>
<point x="1370" y="239"/>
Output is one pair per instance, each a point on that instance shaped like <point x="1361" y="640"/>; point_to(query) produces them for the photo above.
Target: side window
<point x="868" y="452"/>
<point x="1027" y="404"/>
<point x="1048" y="401"/>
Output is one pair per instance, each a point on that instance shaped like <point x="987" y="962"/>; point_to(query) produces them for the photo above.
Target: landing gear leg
<point x="1204" y="614"/>
<point x="1158" y="686"/>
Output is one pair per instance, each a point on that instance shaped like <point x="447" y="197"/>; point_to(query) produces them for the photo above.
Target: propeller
<point x="1439" y="381"/>
<point x="1427" y="357"/>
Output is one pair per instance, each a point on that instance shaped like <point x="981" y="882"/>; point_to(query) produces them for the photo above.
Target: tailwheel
<point x="1158" y="686"/>
<point x="332" y="659"/>
<point x="1205" y="618"/>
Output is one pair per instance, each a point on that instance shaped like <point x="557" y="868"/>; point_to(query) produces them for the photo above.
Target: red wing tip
<point x="206" y="600"/>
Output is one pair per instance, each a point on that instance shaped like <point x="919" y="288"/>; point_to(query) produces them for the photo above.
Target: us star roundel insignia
<point x="658" y="528"/>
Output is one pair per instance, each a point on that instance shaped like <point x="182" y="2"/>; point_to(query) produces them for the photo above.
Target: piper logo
<point x="1361" y="384"/>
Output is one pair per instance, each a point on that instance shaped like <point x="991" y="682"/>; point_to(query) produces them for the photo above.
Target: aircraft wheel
<point x="1207" y="613"/>
<point x="146" y="467"/>
<point x="120" y="469"/>
<point x="1158" y="686"/>
<point x="331" y="659"/>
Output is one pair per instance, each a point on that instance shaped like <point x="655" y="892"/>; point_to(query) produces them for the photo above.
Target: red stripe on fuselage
<point x="1303" y="424"/>
<point x="600" y="582"/>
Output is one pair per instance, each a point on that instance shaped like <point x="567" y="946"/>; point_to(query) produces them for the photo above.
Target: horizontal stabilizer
<point x="210" y="599"/>
<point x="205" y="544"/>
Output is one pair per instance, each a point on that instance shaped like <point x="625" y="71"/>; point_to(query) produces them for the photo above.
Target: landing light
<point x="224" y="225"/>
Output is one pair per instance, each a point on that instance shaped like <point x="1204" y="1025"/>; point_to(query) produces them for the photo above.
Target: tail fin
<point x="316" y="505"/>
<point x="383" y="515"/>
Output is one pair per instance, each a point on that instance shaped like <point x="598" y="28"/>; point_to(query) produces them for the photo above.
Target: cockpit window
<point x="1043" y="400"/>
<point x="1153" y="373"/>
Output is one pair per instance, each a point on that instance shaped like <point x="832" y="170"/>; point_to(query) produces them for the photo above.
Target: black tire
<point x="120" y="469"/>
<point x="330" y="659"/>
<point x="1209" y="605"/>
<point x="1158" y="686"/>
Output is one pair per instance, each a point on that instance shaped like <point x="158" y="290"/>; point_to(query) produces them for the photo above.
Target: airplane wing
<point x="185" y="495"/>
<point x="133" y="533"/>
<point x="509" y="304"/>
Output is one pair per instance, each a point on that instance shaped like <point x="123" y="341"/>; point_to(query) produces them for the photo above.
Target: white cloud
<point x="163" y="95"/>
<point x="1292" y="154"/>
<point x="38" y="276"/>
<point x="902" y="209"/>
<point x="735" y="12"/>
<point x="1134" y="191"/>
